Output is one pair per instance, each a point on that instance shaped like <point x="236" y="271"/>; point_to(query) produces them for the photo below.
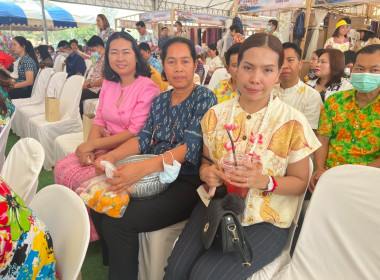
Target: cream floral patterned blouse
<point x="287" y="138"/>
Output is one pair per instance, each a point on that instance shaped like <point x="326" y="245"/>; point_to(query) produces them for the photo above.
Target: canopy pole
<point x="44" y="22"/>
<point x="307" y="19"/>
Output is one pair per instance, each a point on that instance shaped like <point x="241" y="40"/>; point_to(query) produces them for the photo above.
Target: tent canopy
<point x="28" y="16"/>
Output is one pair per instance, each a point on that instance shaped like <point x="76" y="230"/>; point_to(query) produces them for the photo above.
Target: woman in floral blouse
<point x="105" y="31"/>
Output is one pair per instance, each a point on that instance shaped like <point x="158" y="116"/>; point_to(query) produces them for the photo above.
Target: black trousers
<point x="16" y="93"/>
<point x="87" y="94"/>
<point x="119" y="236"/>
<point x="190" y="260"/>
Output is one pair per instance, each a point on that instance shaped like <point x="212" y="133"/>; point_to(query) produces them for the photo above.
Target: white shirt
<point x="214" y="63"/>
<point x="303" y="98"/>
<point x="334" y="88"/>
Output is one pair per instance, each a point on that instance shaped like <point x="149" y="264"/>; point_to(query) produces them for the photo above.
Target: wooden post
<point x="309" y="4"/>
<point x="235" y="8"/>
<point x="172" y="14"/>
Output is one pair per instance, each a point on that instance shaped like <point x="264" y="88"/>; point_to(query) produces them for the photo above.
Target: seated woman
<point x="44" y="58"/>
<point x="124" y="103"/>
<point x="367" y="37"/>
<point x="312" y="65"/>
<point x="173" y="133"/>
<point x="26" y="245"/>
<point x="268" y="128"/>
<point x="330" y="73"/>
<point x="213" y="60"/>
<point x="27" y="68"/>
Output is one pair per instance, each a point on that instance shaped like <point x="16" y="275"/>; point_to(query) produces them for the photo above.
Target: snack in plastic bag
<point x="96" y="196"/>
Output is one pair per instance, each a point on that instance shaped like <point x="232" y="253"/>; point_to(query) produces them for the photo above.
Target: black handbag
<point x="223" y="226"/>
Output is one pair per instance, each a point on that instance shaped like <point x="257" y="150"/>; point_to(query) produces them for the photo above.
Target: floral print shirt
<point x="333" y="43"/>
<point x="238" y="38"/>
<point x="105" y="35"/>
<point x="26" y="246"/>
<point x="354" y="132"/>
<point x="223" y="90"/>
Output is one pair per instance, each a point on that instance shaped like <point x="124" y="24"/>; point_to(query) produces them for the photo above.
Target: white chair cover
<point x="218" y="76"/>
<point x="275" y="266"/>
<point x="89" y="71"/>
<point x="155" y="249"/>
<point x="3" y="140"/>
<point x="26" y="112"/>
<point x="37" y="97"/>
<point x="88" y="63"/>
<point x="66" y="217"/>
<point x="205" y="68"/>
<point x="90" y="106"/>
<point x="70" y="121"/>
<point x="66" y="144"/>
<point x="59" y="60"/>
<point x="22" y="168"/>
<point x="340" y="235"/>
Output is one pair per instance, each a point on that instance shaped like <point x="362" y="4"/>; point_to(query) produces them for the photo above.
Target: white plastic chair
<point x="275" y="266"/>
<point x="66" y="144"/>
<point x="65" y="215"/>
<point x="90" y="106"/>
<point x="205" y="68"/>
<point x="340" y="234"/>
<point x="59" y="60"/>
<point x="218" y="76"/>
<point x="4" y="138"/>
<point x="70" y="120"/>
<point x="22" y="167"/>
<point x="20" y="124"/>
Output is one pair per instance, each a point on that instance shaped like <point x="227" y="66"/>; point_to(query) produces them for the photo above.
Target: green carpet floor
<point x="92" y="268"/>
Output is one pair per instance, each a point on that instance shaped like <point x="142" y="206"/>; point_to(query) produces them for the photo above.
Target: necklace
<point x="258" y="139"/>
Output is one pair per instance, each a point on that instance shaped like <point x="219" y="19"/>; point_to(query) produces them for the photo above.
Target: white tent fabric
<point x="70" y="122"/>
<point x="319" y="16"/>
<point x="340" y="235"/>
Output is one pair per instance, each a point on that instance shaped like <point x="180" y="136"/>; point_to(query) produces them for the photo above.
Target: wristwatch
<point x="89" y="85"/>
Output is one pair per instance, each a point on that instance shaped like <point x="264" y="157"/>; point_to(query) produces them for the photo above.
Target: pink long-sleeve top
<point x="133" y="110"/>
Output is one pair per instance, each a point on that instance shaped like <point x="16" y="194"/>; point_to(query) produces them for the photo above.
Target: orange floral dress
<point x="354" y="131"/>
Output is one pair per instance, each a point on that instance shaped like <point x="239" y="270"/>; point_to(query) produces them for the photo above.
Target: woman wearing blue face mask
<point x="349" y="127"/>
<point x="93" y="84"/>
<point x="173" y="133"/>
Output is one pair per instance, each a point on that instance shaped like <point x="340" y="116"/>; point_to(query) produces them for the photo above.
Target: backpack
<point x="299" y="27"/>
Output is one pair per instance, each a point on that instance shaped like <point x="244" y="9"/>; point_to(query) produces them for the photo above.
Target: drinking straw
<point x="233" y="146"/>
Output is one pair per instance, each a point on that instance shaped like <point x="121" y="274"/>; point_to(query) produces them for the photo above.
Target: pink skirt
<point x="69" y="173"/>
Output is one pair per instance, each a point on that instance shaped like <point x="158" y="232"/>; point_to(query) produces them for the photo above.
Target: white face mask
<point x="170" y="172"/>
<point x="175" y="29"/>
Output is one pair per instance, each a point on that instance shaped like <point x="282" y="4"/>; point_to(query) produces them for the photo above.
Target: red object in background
<point x="6" y="59"/>
<point x="233" y="189"/>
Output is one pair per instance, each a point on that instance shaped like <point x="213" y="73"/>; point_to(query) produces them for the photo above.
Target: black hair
<point x="319" y="52"/>
<point x="95" y="41"/>
<point x="349" y="57"/>
<point x="367" y="35"/>
<point x="144" y="47"/>
<point x="73" y="41"/>
<point x="175" y="40"/>
<point x="179" y="23"/>
<point x="63" y="44"/>
<point x="51" y="48"/>
<point x="370" y="49"/>
<point x="294" y="47"/>
<point x="23" y="42"/>
<point x="163" y="28"/>
<point x="213" y="47"/>
<point x="43" y="51"/>
<point x="140" y="23"/>
<point x="346" y="19"/>
<point x="274" y="22"/>
<point x="336" y="32"/>
<point x="263" y="40"/>
<point x="142" y="68"/>
<point x="234" y="49"/>
<point x="235" y="27"/>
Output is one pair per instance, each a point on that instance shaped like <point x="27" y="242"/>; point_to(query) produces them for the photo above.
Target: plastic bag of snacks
<point x="96" y="196"/>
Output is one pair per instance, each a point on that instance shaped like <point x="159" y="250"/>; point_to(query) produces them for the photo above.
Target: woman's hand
<point x="2" y="67"/>
<point x="314" y="179"/>
<point x="86" y="147"/>
<point x="251" y="177"/>
<point x="126" y="175"/>
<point x="212" y="176"/>
<point x="86" y="159"/>
<point x="99" y="169"/>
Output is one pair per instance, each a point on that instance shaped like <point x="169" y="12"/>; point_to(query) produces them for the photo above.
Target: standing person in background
<point x="178" y="29"/>
<point x="236" y="35"/>
<point x="146" y="54"/>
<point x="104" y="29"/>
<point x="330" y="73"/>
<point x="367" y="37"/>
<point x="339" y="39"/>
<point x="93" y="84"/>
<point x="312" y="65"/>
<point x="44" y="57"/>
<point x="145" y="36"/>
<point x="162" y="40"/>
<point x="27" y="68"/>
<point x="75" y="47"/>
<point x="227" y="89"/>
<point x="75" y="64"/>
<point x="272" y="28"/>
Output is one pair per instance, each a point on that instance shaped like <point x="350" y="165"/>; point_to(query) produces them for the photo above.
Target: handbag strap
<point x="233" y="228"/>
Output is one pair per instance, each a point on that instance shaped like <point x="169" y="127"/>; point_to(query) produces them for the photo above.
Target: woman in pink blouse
<point x="124" y="103"/>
